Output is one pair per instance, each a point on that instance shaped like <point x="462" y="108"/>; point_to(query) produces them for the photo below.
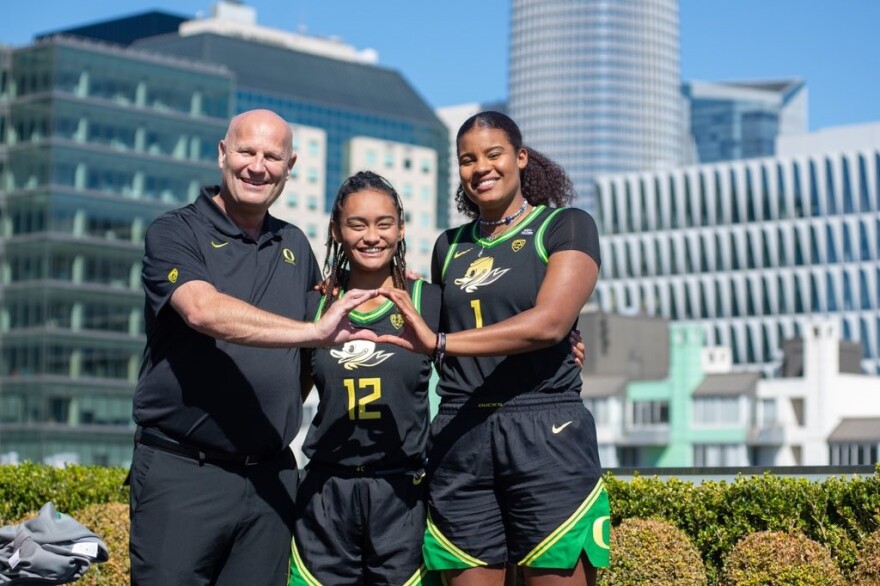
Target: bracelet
<point x="439" y="350"/>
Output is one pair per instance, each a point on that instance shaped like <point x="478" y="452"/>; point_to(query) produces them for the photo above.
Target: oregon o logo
<point x="172" y="276"/>
<point x="518" y="244"/>
<point x="288" y="256"/>
<point x="599" y="533"/>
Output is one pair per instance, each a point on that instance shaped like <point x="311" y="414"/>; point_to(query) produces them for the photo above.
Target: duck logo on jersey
<point x="360" y="353"/>
<point x="479" y="274"/>
<point x="397" y="321"/>
<point x="518" y="244"/>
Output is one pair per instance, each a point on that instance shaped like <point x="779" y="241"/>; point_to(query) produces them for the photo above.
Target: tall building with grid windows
<point x="321" y="86"/>
<point x="105" y="126"/>
<point x="595" y="84"/>
<point x="752" y="250"/>
<point x="95" y="142"/>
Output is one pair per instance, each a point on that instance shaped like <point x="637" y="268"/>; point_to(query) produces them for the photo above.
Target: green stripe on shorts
<point x="442" y="554"/>
<point x="424" y="577"/>
<point x="587" y="530"/>
<point x="299" y="574"/>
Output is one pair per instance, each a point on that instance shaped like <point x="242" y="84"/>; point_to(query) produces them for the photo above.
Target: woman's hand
<point x="578" y="350"/>
<point x="416" y="335"/>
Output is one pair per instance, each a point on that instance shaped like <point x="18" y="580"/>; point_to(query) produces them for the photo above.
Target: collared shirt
<point x="203" y="391"/>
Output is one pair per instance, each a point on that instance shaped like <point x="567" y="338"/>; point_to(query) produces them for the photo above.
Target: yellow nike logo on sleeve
<point x="461" y="253"/>
<point x="220" y="245"/>
<point x="558" y="428"/>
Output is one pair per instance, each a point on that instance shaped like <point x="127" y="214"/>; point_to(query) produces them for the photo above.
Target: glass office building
<point x="595" y="84"/>
<point x="346" y="99"/>
<point x="741" y="120"/>
<point x="752" y="251"/>
<point x="95" y="142"/>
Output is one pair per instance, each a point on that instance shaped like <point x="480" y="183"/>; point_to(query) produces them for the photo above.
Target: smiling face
<point x="489" y="168"/>
<point x="256" y="159"/>
<point x="369" y="228"/>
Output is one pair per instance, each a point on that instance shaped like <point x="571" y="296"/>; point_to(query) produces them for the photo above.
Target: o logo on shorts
<point x="172" y="276"/>
<point x="288" y="256"/>
<point x="599" y="534"/>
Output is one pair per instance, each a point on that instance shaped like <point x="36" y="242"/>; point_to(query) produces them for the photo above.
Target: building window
<point x="829" y="187"/>
<point x="766" y="413"/>
<point x="864" y="200"/>
<point x="292" y="199"/>
<point x="719" y="455"/>
<point x="312" y="202"/>
<point x="852" y="454"/>
<point x="648" y="413"/>
<point x="600" y="409"/>
<point x="717" y="410"/>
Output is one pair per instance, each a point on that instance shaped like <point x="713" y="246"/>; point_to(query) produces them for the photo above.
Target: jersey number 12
<point x="357" y="407"/>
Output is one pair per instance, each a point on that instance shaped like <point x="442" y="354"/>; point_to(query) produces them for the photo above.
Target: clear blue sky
<point x="455" y="51"/>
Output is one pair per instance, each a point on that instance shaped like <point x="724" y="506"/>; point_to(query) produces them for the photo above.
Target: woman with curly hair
<point x="513" y="465"/>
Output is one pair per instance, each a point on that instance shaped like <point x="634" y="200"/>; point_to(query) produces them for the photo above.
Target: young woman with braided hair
<point x="513" y="468"/>
<point x="360" y="507"/>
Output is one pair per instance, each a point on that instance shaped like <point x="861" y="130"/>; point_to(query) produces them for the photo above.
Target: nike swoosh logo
<point x="221" y="245"/>
<point x="558" y="428"/>
<point x="460" y="253"/>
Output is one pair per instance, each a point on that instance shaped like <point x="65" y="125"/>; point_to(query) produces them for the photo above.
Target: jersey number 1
<point x="357" y="408"/>
<point x="478" y="312"/>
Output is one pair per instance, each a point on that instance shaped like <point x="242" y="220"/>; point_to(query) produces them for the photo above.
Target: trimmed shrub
<point x="24" y="488"/>
<point x="109" y="521"/>
<point x="652" y="551"/>
<point x="836" y="512"/>
<point x="867" y="570"/>
<point x="781" y="559"/>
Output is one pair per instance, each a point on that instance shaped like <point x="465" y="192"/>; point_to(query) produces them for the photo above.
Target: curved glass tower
<point x="595" y="84"/>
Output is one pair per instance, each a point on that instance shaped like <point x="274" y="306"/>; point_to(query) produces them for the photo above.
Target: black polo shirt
<point x="206" y="392"/>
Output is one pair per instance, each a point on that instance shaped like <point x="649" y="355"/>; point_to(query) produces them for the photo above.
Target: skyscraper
<point x="595" y="84"/>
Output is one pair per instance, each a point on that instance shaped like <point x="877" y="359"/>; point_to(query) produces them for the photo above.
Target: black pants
<point x="210" y="523"/>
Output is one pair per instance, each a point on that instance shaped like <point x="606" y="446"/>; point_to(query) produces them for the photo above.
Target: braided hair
<point x="336" y="263"/>
<point x="543" y="181"/>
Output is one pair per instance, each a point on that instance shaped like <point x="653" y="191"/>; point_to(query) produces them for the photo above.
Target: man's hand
<point x="333" y="329"/>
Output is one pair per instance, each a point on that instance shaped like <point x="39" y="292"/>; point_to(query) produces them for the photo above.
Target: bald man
<point x="218" y="399"/>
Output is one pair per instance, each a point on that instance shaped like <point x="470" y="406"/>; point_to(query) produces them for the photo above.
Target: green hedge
<point x="26" y="487"/>
<point x="839" y="512"/>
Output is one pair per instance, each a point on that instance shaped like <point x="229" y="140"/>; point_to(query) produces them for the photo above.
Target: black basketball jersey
<point x="487" y="281"/>
<point x="373" y="408"/>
